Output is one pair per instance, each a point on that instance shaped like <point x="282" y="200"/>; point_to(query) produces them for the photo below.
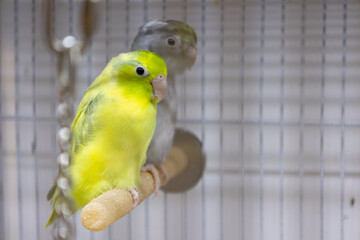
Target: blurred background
<point x="274" y="96"/>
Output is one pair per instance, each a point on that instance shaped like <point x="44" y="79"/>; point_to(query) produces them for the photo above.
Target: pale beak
<point x="159" y="85"/>
<point x="191" y="53"/>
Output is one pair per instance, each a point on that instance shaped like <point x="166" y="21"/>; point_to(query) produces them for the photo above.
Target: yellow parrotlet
<point x="113" y="127"/>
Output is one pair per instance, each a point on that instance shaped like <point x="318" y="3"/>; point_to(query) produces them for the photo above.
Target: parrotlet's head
<point x="173" y="40"/>
<point x="144" y="71"/>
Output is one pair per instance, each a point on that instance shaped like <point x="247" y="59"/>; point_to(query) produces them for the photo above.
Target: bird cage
<point x="273" y="97"/>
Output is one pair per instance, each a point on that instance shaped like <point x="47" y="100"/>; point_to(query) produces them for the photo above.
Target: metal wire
<point x="71" y="17"/>
<point x="34" y="142"/>
<point x="322" y="107"/>
<point x="261" y="125"/>
<point x="282" y="63"/>
<point x="184" y="214"/>
<point x="203" y="181"/>
<point x="165" y="216"/>
<point x="107" y="55"/>
<point x="17" y="125"/>
<point x="127" y="23"/>
<point x="287" y="123"/>
<point x="89" y="81"/>
<point x="146" y="11"/>
<point x="241" y="120"/>
<point x="129" y="226"/>
<point x="221" y="140"/>
<point x="165" y="194"/>
<point x="127" y="43"/>
<point x="343" y="96"/>
<point x="107" y="30"/>
<point x="2" y="165"/>
<point x="302" y="124"/>
<point x="147" y="227"/>
<point x="163" y="9"/>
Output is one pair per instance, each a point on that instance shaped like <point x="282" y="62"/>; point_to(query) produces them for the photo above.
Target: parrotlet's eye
<point x="171" y="41"/>
<point x="141" y="71"/>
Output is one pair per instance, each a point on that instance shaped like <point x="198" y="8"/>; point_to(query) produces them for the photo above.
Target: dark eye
<point x="171" y="41"/>
<point x="141" y="71"/>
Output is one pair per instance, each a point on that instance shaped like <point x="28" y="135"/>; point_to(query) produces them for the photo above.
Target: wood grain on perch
<point x="114" y="204"/>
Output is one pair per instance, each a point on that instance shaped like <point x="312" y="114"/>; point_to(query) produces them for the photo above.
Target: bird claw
<point x="164" y="173"/>
<point x="154" y="172"/>
<point x="135" y="194"/>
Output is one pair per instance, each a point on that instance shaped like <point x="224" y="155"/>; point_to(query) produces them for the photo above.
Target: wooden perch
<point x="114" y="204"/>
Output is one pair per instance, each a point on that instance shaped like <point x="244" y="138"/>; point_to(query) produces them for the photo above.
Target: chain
<point x="68" y="51"/>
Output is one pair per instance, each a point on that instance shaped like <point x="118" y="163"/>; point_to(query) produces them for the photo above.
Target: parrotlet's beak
<point x="159" y="85"/>
<point x="191" y="53"/>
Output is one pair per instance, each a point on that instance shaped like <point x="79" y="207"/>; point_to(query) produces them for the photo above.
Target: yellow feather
<point x="117" y="152"/>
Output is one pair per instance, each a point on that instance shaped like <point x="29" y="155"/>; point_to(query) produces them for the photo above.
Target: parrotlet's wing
<point x="84" y="122"/>
<point x="82" y="130"/>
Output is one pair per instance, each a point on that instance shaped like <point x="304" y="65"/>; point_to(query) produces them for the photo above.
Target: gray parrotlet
<point x="175" y="41"/>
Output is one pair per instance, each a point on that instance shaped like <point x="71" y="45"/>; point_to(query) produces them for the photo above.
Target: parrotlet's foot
<point x="164" y="173"/>
<point x="135" y="194"/>
<point x="154" y="172"/>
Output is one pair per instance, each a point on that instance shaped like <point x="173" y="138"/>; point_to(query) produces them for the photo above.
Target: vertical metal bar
<point x="184" y="95"/>
<point x="107" y="30"/>
<point x="34" y="143"/>
<point x="107" y="56"/>
<point x="203" y="182"/>
<point x="343" y="95"/>
<point x="127" y="23"/>
<point x="53" y="102"/>
<point x="301" y="115"/>
<point x="147" y="227"/>
<point x="127" y="43"/>
<point x="221" y="119"/>
<point x="89" y="64"/>
<point x="146" y="10"/>
<point x="185" y="7"/>
<point x="163" y="9"/>
<point x="261" y="133"/>
<point x="129" y="226"/>
<point x="89" y="81"/>
<point x="322" y="107"/>
<point x="184" y="85"/>
<point x="165" y="216"/>
<point x="184" y="216"/>
<point x="282" y="63"/>
<point x="17" y="125"/>
<point x="241" y="118"/>
<point x="165" y="194"/>
<point x="2" y="177"/>
<point x="71" y="17"/>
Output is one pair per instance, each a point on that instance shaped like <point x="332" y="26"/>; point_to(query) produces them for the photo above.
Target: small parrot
<point x="113" y="126"/>
<point x="175" y="41"/>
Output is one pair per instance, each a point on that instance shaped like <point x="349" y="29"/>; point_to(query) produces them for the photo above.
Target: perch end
<point x="106" y="209"/>
<point x="191" y="146"/>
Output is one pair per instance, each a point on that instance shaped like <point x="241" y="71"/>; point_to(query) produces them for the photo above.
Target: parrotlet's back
<point x="113" y="127"/>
